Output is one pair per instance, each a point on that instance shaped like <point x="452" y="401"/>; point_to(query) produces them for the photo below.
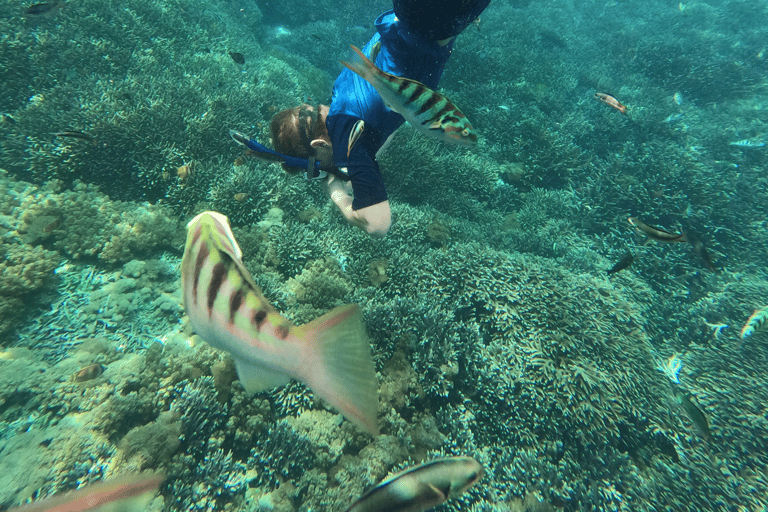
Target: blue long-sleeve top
<point x="403" y="53"/>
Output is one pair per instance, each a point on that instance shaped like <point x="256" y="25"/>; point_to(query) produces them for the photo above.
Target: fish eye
<point x="473" y="476"/>
<point x="465" y="132"/>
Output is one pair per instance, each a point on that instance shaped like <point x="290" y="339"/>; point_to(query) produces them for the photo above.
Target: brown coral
<point x="24" y="270"/>
<point x="438" y="233"/>
<point x="377" y="271"/>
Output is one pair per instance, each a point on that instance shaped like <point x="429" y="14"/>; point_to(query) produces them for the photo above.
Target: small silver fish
<point x="673" y="118"/>
<point x="422" y="487"/>
<point x="748" y="143"/>
<point x="426" y="110"/>
<point x="226" y="308"/>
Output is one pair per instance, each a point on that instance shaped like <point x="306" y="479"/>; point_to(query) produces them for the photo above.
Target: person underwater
<point x="339" y="143"/>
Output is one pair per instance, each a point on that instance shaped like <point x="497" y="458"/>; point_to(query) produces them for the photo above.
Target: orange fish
<point x="611" y="101"/>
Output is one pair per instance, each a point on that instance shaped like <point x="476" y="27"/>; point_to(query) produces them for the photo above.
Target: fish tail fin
<point x="339" y="365"/>
<point x="361" y="64"/>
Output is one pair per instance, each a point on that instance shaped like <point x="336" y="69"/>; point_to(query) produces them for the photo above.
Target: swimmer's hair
<point x="293" y="131"/>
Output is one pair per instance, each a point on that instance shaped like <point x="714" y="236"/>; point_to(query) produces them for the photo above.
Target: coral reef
<point x="146" y="100"/>
<point x="83" y="222"/>
<point x="495" y="329"/>
<point x="24" y="271"/>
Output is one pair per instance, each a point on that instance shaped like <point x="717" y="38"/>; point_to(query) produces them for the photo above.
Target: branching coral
<point x="537" y="364"/>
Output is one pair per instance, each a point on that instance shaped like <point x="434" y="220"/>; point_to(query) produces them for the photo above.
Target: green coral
<point x="150" y="103"/>
<point x="419" y="170"/>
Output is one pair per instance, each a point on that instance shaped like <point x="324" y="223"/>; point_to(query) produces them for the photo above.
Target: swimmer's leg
<point x="439" y="19"/>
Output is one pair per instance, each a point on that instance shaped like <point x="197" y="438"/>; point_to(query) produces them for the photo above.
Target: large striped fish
<point x="428" y="111"/>
<point x="226" y="308"/>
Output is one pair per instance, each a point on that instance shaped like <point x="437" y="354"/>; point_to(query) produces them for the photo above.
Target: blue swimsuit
<point x="403" y="53"/>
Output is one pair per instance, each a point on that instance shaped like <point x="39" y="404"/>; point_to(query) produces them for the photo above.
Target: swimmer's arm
<point x="374" y="220"/>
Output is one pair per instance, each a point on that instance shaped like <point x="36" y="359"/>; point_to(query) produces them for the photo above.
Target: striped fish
<point x="755" y="323"/>
<point x="421" y="487"/>
<point x="226" y="308"/>
<point x="126" y="493"/>
<point x="428" y="111"/>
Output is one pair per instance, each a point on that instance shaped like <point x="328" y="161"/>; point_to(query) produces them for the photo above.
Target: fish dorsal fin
<point x="375" y="49"/>
<point x="255" y="378"/>
<point x="215" y="227"/>
<point x="219" y="235"/>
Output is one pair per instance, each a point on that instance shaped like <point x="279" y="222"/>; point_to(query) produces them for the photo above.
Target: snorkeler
<point x="339" y="143"/>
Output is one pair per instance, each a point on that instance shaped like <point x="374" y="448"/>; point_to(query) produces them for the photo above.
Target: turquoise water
<point x="496" y="331"/>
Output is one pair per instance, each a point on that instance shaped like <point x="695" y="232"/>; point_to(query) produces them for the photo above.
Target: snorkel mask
<point x="310" y="165"/>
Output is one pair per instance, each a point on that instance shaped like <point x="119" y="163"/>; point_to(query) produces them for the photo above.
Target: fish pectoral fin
<point x="436" y="126"/>
<point x="255" y="378"/>
<point x="431" y="494"/>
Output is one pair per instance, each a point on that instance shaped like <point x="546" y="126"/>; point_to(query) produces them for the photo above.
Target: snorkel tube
<point x="311" y="164"/>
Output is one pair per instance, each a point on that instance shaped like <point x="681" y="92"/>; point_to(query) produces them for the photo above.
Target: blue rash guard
<point x="403" y="53"/>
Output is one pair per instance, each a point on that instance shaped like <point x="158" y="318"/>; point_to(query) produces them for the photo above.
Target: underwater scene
<point x="570" y="313"/>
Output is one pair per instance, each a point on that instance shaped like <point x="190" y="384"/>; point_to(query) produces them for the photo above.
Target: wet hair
<point x="294" y="129"/>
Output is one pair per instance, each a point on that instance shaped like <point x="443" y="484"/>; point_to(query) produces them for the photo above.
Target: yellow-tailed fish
<point x="755" y="323"/>
<point x="428" y="111"/>
<point x="226" y="308"/>
<point x="127" y="493"/>
<point x="421" y="487"/>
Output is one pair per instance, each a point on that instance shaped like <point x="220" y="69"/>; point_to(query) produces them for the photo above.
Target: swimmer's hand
<point x="374" y="220"/>
<point x="340" y="192"/>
